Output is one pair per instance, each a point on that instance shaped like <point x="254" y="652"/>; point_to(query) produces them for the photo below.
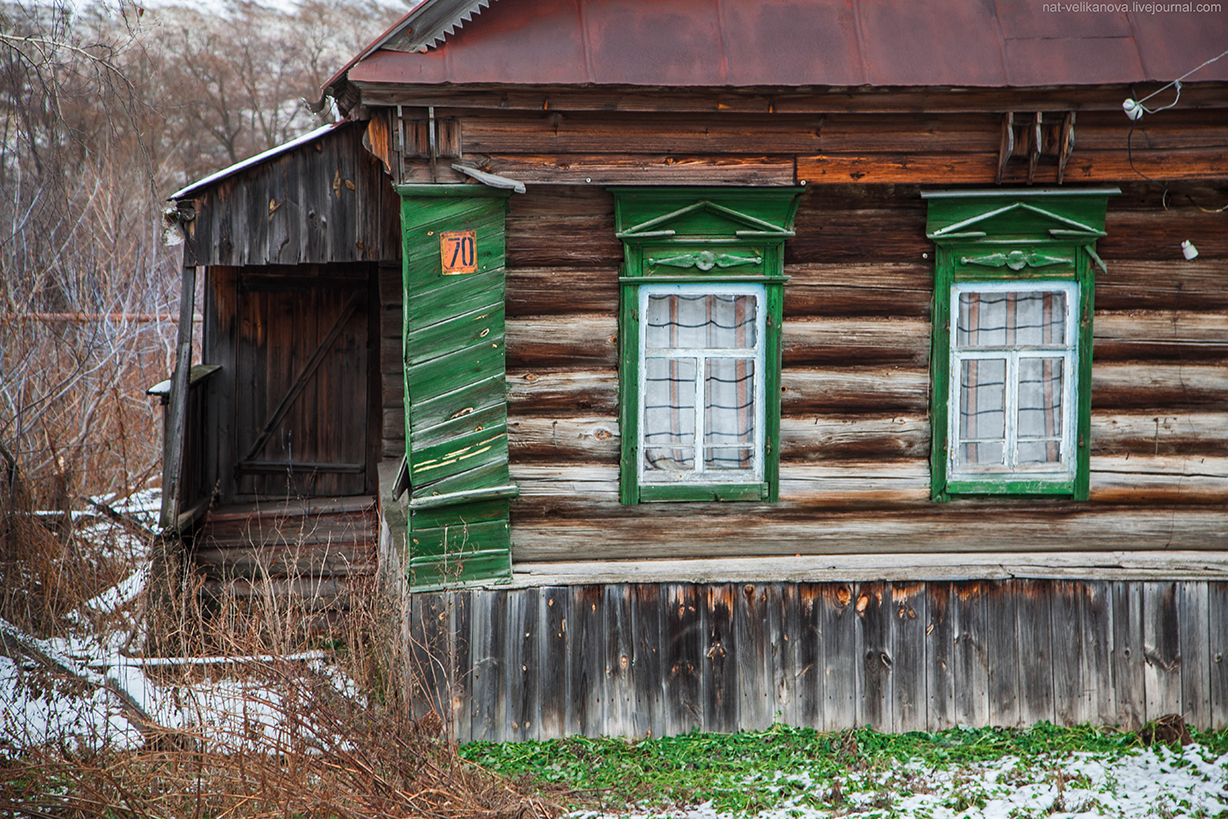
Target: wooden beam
<point x="177" y="412"/>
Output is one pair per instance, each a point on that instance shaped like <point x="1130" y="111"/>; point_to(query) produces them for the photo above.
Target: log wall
<point x="854" y="430"/>
<point x="653" y="659"/>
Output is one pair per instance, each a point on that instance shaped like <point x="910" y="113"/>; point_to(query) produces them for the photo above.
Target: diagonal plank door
<point x="301" y="397"/>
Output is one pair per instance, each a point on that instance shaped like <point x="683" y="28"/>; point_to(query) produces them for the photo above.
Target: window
<point x="701" y="386"/>
<point x="699" y="339"/>
<point x="1011" y="355"/>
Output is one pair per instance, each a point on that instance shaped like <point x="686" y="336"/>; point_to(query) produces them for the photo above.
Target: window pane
<point x="982" y="320"/>
<point x="669" y="413"/>
<point x="729" y="423"/>
<point x="982" y="393"/>
<point x="1038" y="319"/>
<point x="998" y="319"/>
<point x="1040" y="397"/>
<point x="714" y="321"/>
<point x="1040" y="452"/>
<point x="981" y="454"/>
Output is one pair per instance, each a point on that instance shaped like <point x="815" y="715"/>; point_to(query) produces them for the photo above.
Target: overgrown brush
<point x="297" y="748"/>
<point x="298" y="710"/>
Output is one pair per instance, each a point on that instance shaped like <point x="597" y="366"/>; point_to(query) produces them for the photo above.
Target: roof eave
<point x="424" y="26"/>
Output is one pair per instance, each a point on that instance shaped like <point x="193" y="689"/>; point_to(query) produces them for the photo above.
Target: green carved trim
<point x="990" y="217"/>
<point x="1011" y="486"/>
<point x="705" y="260"/>
<point x="714" y="278"/>
<point x="703" y="232"/>
<point x="1016" y="260"/>
<point x="666" y="493"/>
<point x="696" y="215"/>
<point x="1061" y="223"/>
<point x="706" y="206"/>
<point x="628" y="385"/>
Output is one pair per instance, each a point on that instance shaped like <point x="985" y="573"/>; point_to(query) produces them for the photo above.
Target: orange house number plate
<point x="458" y="252"/>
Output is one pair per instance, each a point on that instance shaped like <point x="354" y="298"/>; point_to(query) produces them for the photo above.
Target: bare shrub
<point x="293" y="747"/>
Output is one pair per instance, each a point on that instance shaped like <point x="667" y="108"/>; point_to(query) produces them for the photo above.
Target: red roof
<point x="967" y="43"/>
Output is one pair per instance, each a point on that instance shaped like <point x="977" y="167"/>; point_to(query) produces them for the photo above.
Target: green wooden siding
<point x="455" y="393"/>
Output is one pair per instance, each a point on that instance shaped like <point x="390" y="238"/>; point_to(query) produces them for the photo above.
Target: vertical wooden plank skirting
<point x="1193" y="625"/>
<point x="808" y="690"/>
<point x="1129" y="692"/>
<point x="1002" y="654"/>
<point x="838" y="627"/>
<point x="523" y="663"/>
<point x="462" y="667"/>
<point x="555" y="642"/>
<point x="874" y="669"/>
<point x="485" y="647"/>
<point x="754" y="662"/>
<point x="971" y="663"/>
<point x="648" y="718"/>
<point x="683" y="637"/>
<point x="1032" y="605"/>
<point x="1097" y="625"/>
<point x="909" y="619"/>
<point x="1069" y="698"/>
<point x="721" y="660"/>
<point x="587" y="665"/>
<point x="787" y="666"/>
<point x="619" y="662"/>
<point x="650" y="659"/>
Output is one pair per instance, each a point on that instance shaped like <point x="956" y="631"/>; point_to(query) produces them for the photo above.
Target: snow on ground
<point x="1144" y="782"/>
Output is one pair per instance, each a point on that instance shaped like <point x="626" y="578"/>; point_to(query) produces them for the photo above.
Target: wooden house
<point x="704" y="363"/>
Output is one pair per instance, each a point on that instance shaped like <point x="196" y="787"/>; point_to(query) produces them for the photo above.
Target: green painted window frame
<point x="632" y="489"/>
<point x="1027" y="238"/>
<point x="695" y="237"/>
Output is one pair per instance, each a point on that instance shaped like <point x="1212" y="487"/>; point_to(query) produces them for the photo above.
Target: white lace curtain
<point x="1012" y="350"/>
<point x="699" y="352"/>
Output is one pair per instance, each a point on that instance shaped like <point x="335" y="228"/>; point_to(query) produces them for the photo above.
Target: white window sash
<point x="701" y="473"/>
<point x="1013" y="355"/>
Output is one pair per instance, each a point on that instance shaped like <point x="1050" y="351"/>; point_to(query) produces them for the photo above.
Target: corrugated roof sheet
<point x="963" y="43"/>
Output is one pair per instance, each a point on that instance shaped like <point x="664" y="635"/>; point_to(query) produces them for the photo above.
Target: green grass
<point x="737" y="772"/>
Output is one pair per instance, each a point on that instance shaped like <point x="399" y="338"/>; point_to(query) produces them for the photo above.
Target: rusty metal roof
<point x="746" y="43"/>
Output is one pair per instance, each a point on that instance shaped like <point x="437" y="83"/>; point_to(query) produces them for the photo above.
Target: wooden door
<point x="302" y="393"/>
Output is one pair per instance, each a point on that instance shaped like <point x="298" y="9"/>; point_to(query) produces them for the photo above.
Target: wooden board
<point x="1129" y="659"/>
<point x="1161" y="649"/>
<point x="1217" y="616"/>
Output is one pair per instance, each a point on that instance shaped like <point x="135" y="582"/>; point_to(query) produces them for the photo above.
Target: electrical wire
<point x="1177" y="82"/>
<point x="1129" y="152"/>
<point x="1130" y="156"/>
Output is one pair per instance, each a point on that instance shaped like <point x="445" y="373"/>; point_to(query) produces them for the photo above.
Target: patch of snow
<point x="36" y="714"/>
<point x="41" y="706"/>
<point x="1138" y="784"/>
